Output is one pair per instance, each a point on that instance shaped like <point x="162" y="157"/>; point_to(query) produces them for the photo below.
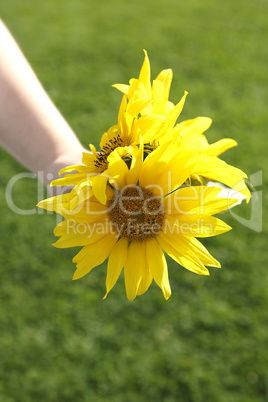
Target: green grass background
<point x="59" y="341"/>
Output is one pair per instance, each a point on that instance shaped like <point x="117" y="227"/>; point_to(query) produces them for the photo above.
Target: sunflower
<point x="144" y="193"/>
<point x="160" y="105"/>
<point x="145" y="112"/>
<point x="91" y="176"/>
<point x="138" y="117"/>
<point x="119" y="141"/>
<point x="150" y="209"/>
<point x="213" y="168"/>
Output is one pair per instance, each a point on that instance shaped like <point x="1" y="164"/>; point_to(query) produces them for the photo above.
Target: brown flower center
<point x="136" y="213"/>
<point x="101" y="162"/>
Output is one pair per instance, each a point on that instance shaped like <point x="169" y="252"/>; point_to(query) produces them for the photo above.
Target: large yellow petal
<point x="93" y="254"/>
<point x="137" y="89"/>
<point x="136" y="106"/>
<point x="148" y="126"/>
<point x="63" y="204"/>
<point x="177" y="171"/>
<point x="117" y="168"/>
<point x="88" y="166"/>
<point x="55" y="203"/>
<point x="68" y="226"/>
<point x="215" y="169"/>
<point x="99" y="184"/>
<point x="178" y="249"/>
<point x="136" y="165"/>
<point x="106" y="138"/>
<point x="158" y="266"/>
<point x="75" y="234"/>
<point x="89" y="211"/>
<point x="147" y="278"/>
<point x="219" y="147"/>
<point x="77" y="168"/>
<point x="173" y="115"/>
<point x="174" y="157"/>
<point x="122" y="88"/>
<point x="194" y="127"/>
<point x="133" y="269"/>
<point x="116" y="262"/>
<point x="145" y="74"/>
<point x="169" y="106"/>
<point x="196" y="225"/>
<point x="71" y="179"/>
<point x="165" y="76"/>
<point x="155" y="162"/>
<point x="80" y="193"/>
<point x="158" y="92"/>
<point x="145" y="282"/>
<point x="202" y="252"/>
<point x="123" y="125"/>
<point x="196" y="200"/>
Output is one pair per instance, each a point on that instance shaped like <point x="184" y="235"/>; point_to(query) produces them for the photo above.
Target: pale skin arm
<point x="31" y="127"/>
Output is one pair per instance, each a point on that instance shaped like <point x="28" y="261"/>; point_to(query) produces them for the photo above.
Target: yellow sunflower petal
<point x="121" y="117"/>
<point x="178" y="249"/>
<point x="196" y="200"/>
<point x="89" y="212"/>
<point x="173" y="157"/>
<point x="145" y="282"/>
<point x="177" y="171"/>
<point x="93" y="254"/>
<point x="65" y="227"/>
<point x="122" y="88"/>
<point x="145" y="73"/>
<point x="147" y="278"/>
<point x="134" y="107"/>
<point x="70" y="179"/>
<point x="158" y="266"/>
<point x="117" y="168"/>
<point x="93" y="149"/>
<point x="79" y="194"/>
<point x="215" y="169"/>
<point x="80" y="234"/>
<point x="194" y="127"/>
<point x="176" y="111"/>
<point x="170" y="106"/>
<point x="155" y="162"/>
<point x="88" y="158"/>
<point x="148" y="126"/>
<point x="133" y="269"/>
<point x="202" y="252"/>
<point x="197" y="225"/>
<point x="165" y="76"/>
<point x="99" y="184"/>
<point x="137" y="89"/>
<point x="159" y="104"/>
<point x="77" y="168"/>
<point x="116" y="262"/>
<point x="106" y="138"/>
<point x="56" y="203"/>
<point x="136" y="164"/>
<point x="219" y="147"/>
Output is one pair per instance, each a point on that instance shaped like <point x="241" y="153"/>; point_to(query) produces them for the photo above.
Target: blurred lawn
<point x="59" y="341"/>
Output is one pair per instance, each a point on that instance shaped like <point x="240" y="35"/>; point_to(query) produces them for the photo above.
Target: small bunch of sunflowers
<point x="146" y="191"/>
